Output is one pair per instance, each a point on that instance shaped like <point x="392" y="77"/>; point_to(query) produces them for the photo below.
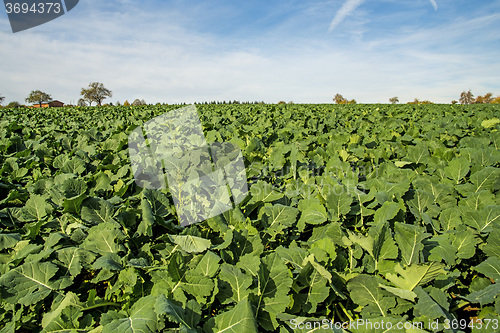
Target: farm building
<point x="51" y="104"/>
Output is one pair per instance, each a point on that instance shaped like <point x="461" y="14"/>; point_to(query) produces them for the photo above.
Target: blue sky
<point x="301" y="51"/>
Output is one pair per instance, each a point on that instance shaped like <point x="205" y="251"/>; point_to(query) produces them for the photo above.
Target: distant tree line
<point x="96" y="93"/>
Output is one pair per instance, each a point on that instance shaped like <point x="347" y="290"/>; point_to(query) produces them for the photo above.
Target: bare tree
<point x="96" y="92"/>
<point x="136" y="102"/>
<point x="466" y="98"/>
<point x="2" y="99"/>
<point x="81" y="102"/>
<point x="37" y="96"/>
<point x="394" y="100"/>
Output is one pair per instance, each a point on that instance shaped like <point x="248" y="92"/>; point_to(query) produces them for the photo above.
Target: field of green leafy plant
<point x="386" y="215"/>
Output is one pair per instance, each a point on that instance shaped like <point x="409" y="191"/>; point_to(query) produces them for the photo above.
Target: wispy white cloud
<point x="347" y="8"/>
<point x="434" y="4"/>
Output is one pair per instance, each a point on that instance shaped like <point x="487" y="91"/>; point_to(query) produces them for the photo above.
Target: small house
<point x="51" y="104"/>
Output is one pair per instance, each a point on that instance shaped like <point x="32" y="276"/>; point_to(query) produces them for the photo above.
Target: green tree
<point x="14" y="105"/>
<point x="394" y="100"/>
<point x="37" y="96"/>
<point x="466" y="98"/>
<point x="96" y="92"/>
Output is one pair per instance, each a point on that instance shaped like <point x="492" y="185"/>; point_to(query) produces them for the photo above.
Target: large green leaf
<point x="238" y="284"/>
<point x="478" y="200"/>
<point x="109" y="261"/>
<point x="465" y="243"/>
<point x="95" y="210"/>
<point x="384" y="246"/>
<point x="311" y="212"/>
<point x="103" y="182"/>
<point x="365" y="291"/>
<point x="191" y="244"/>
<point x="490" y="268"/>
<point x="483" y="220"/>
<point x="415" y="275"/>
<point x="36" y="208"/>
<point x="293" y="255"/>
<point x="209" y="264"/>
<point x="457" y="169"/>
<point x="485" y="179"/>
<point x="158" y="202"/>
<point x="198" y="285"/>
<point x="316" y="286"/>
<point x="485" y="296"/>
<point x="146" y="226"/>
<point x="31" y="282"/>
<point x="57" y="319"/>
<point x="104" y="238"/>
<point x="450" y="219"/>
<point x="409" y="239"/>
<point x="140" y="318"/>
<point x="278" y="217"/>
<point x="492" y="246"/>
<point x="387" y="212"/>
<point x="422" y="201"/>
<point x="338" y="201"/>
<point x="171" y="279"/>
<point x="274" y="285"/>
<point x="9" y="240"/>
<point x="418" y="154"/>
<point x="187" y="317"/>
<point x="238" y="320"/>
<point x="262" y="191"/>
<point x="442" y="249"/>
<point x="73" y="258"/>
<point x="73" y="191"/>
<point x="75" y="165"/>
<point x="427" y="306"/>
